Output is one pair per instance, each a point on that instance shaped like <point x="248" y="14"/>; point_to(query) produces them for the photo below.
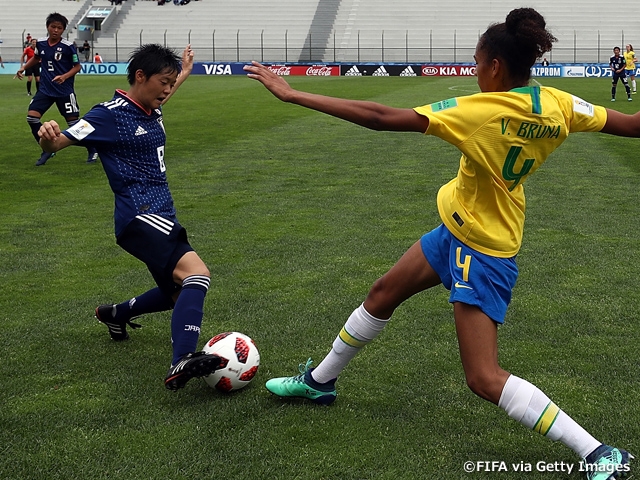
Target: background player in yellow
<point x="630" y="67"/>
<point x="504" y="133"/>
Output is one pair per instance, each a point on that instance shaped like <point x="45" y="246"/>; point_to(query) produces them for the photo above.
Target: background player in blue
<point x="618" y="64"/>
<point x="129" y="135"/>
<point x="59" y="63"/>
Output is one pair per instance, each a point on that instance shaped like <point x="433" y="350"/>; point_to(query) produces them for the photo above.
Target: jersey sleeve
<point x="74" y="55"/>
<point x="38" y="49"/>
<point x="452" y="120"/>
<point x="96" y="128"/>
<point x="581" y="115"/>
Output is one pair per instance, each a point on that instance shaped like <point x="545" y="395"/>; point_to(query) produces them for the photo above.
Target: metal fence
<point x="364" y="46"/>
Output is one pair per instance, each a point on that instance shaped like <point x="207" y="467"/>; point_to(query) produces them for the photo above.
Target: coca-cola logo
<point x="319" y="70"/>
<point x="280" y="70"/>
<point x="429" y="70"/>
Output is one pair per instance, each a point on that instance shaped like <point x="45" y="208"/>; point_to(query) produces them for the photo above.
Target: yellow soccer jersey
<point x="504" y="137"/>
<point x="630" y="58"/>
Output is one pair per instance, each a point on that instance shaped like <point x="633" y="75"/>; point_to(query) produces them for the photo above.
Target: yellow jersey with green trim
<point x="504" y="137"/>
<point x="630" y="59"/>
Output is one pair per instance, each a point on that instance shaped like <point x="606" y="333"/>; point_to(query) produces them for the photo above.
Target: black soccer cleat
<point x="93" y="156"/>
<point x="117" y="328"/>
<point x="44" y="157"/>
<point x="191" y="365"/>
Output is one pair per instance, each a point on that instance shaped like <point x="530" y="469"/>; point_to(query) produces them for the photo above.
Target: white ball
<point x="240" y="363"/>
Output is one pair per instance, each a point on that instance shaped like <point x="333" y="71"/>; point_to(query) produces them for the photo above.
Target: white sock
<point x="527" y="404"/>
<point x="360" y="329"/>
<point x="633" y="82"/>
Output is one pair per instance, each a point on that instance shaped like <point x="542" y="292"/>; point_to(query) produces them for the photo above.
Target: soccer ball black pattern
<point x="240" y="358"/>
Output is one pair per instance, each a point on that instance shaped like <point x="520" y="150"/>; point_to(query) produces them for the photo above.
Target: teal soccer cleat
<point x="606" y="463"/>
<point x="303" y="386"/>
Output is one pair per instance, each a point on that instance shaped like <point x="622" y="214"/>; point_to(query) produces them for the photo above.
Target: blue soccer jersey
<point x="130" y="142"/>
<point x="617" y="62"/>
<point x="56" y="60"/>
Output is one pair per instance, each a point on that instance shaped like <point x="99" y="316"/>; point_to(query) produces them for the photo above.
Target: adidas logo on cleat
<point x="191" y="365"/>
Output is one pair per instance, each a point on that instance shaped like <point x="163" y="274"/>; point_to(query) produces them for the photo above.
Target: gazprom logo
<point x="546" y="71"/>
<point x="574" y="71"/>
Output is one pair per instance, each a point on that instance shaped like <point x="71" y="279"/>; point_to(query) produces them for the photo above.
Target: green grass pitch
<point x="296" y="214"/>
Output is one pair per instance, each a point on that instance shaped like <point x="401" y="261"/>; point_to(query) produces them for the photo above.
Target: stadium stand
<point x="321" y="30"/>
<point x="16" y="21"/>
<point x="431" y="30"/>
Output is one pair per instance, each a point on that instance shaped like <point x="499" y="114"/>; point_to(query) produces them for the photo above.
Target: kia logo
<point x="429" y="70"/>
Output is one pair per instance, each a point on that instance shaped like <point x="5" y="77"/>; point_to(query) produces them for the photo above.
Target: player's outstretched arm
<point x="622" y="124"/>
<point x="187" y="67"/>
<point x="32" y="62"/>
<point x="51" y="138"/>
<point x="367" y="114"/>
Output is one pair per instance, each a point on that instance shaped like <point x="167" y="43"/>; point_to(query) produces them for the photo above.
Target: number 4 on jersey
<point x="508" y="172"/>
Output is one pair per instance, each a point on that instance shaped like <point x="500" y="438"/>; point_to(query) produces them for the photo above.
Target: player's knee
<point x="378" y="292"/>
<point x="200" y="268"/>
<point x="485" y="385"/>
<point x="190" y="264"/>
<point x="381" y="300"/>
<point x="478" y="385"/>
<point x="195" y="270"/>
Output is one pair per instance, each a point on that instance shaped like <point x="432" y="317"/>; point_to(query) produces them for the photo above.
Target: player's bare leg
<point x="410" y="275"/>
<point x="523" y="401"/>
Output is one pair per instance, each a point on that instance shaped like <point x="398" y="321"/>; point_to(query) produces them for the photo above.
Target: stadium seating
<point x="326" y="30"/>
<point x="18" y="19"/>
<point x="431" y="30"/>
<point x="215" y="28"/>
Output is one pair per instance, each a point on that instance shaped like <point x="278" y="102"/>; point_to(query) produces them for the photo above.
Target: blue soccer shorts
<point x="158" y="242"/>
<point x="67" y="106"/>
<point x="472" y="277"/>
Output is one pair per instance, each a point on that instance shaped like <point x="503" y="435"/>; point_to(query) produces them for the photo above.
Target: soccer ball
<point x="240" y="361"/>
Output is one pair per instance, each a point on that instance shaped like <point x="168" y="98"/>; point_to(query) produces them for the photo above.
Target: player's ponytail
<point x="519" y="42"/>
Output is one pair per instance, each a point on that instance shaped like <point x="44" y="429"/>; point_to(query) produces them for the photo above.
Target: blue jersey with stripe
<point x="130" y="142"/>
<point x="56" y="60"/>
<point x="617" y="62"/>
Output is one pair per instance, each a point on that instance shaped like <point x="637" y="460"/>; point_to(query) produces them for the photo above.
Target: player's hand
<point x="19" y="74"/>
<point x="187" y="59"/>
<point x="49" y="131"/>
<point x="59" y="79"/>
<point x="274" y="83"/>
